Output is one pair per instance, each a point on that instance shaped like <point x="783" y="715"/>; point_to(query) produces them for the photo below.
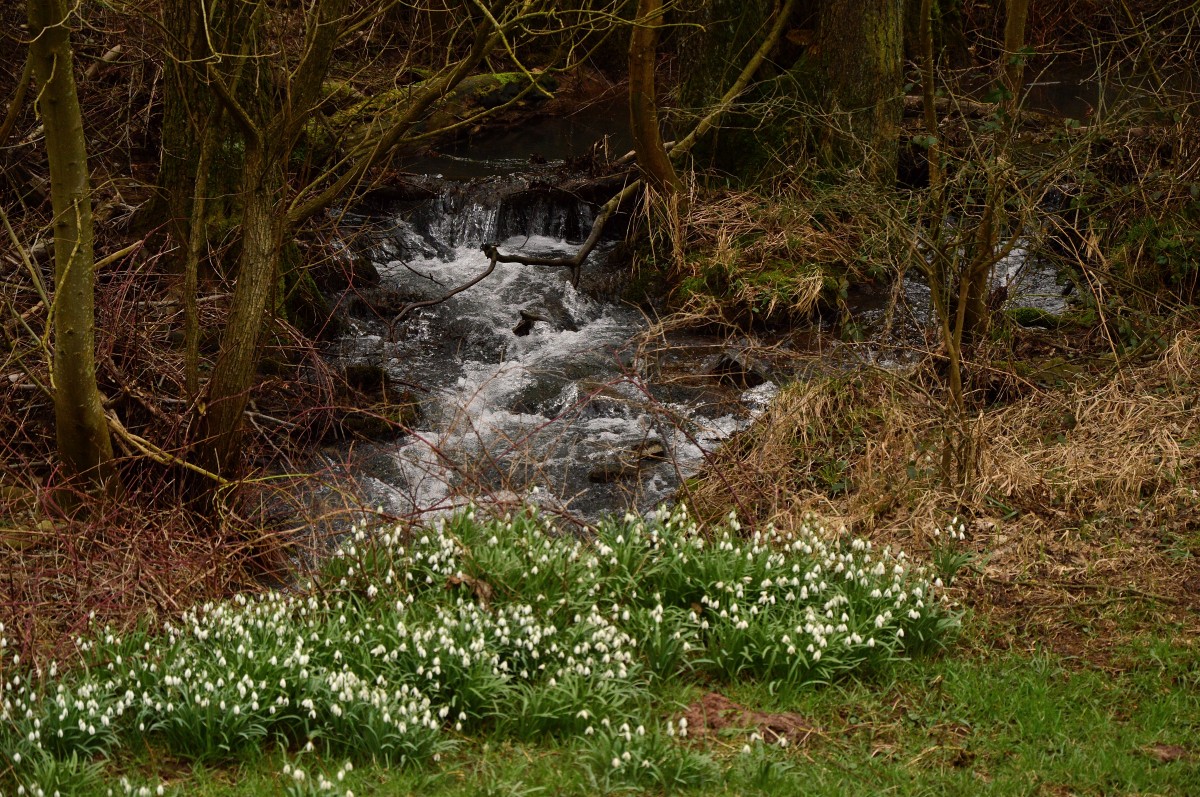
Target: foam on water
<point x="568" y="406"/>
<point x="502" y="412"/>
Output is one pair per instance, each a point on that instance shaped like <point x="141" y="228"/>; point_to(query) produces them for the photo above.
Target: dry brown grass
<point x="1103" y="448"/>
<point x="1083" y="513"/>
<point x="144" y="558"/>
<point x="754" y="258"/>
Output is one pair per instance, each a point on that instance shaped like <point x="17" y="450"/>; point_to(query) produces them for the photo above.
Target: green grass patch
<point x="991" y="724"/>
<point x="501" y="657"/>
<point x="416" y="642"/>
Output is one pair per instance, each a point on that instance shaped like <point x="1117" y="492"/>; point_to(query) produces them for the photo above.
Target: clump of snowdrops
<point x="415" y="638"/>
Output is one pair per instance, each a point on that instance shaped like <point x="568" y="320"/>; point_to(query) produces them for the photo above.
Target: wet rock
<point x="377" y="302"/>
<point x="544" y="396"/>
<point x="597" y="190"/>
<point x="603" y="400"/>
<point x="552" y="312"/>
<point x="338" y="274"/>
<point x="383" y="421"/>
<point x="627" y="463"/>
<point x="558" y="314"/>
<point x="547" y="211"/>
<point x="528" y="319"/>
<point x="610" y="276"/>
<point x="739" y="369"/>
<point x="374" y="407"/>
<point x="367" y="378"/>
<point x="473" y="335"/>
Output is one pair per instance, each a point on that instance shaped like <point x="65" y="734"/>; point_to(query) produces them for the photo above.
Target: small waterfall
<point x="559" y="407"/>
<point x="544" y="212"/>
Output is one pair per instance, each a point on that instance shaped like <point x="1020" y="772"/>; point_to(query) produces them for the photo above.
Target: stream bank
<point x="527" y="387"/>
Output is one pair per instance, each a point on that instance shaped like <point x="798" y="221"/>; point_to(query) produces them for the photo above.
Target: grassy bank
<point x="499" y="657"/>
<point x="413" y="642"/>
<point x="997" y="724"/>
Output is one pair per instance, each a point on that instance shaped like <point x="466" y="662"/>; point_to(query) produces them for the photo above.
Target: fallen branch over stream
<point x="575" y="261"/>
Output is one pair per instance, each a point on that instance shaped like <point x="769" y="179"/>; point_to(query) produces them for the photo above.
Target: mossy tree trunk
<point x="713" y="44"/>
<point x="861" y="45"/>
<point x="195" y="128"/>
<point x="643" y="101"/>
<point x="1015" y="19"/>
<point x="81" y="428"/>
<point x="233" y="373"/>
<point x="184" y="101"/>
<point x="271" y="127"/>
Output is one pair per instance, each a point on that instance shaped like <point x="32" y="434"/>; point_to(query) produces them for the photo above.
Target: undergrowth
<point x="411" y="641"/>
<point x="754" y="259"/>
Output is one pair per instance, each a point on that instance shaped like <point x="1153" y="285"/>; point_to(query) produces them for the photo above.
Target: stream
<point x="531" y="389"/>
<point x="568" y="405"/>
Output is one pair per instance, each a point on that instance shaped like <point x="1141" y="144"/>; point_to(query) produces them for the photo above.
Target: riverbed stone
<point x="337" y="274"/>
<point x="740" y="369"/>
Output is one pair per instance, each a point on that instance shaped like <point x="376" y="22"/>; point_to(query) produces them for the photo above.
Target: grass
<point x="757" y="260"/>
<point x="524" y="662"/>
<point x="1008" y="724"/>
<point x="968" y="723"/>
<point x="1046" y="453"/>
<point x="413" y="643"/>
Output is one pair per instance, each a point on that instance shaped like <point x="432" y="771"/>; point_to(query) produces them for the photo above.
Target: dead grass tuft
<point x="1103" y="448"/>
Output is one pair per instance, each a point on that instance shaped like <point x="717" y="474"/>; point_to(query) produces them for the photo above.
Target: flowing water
<point x="531" y="389"/>
<point x="569" y="410"/>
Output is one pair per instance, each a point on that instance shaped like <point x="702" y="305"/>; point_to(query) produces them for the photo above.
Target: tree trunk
<point x="862" y="56"/>
<point x="643" y="101"/>
<point x="271" y="129"/>
<point x="184" y="102"/>
<point x="258" y="268"/>
<point x="718" y="36"/>
<point x="946" y="21"/>
<point x="1016" y="14"/>
<point x="712" y="44"/>
<point x="82" y="430"/>
<point x="189" y="107"/>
